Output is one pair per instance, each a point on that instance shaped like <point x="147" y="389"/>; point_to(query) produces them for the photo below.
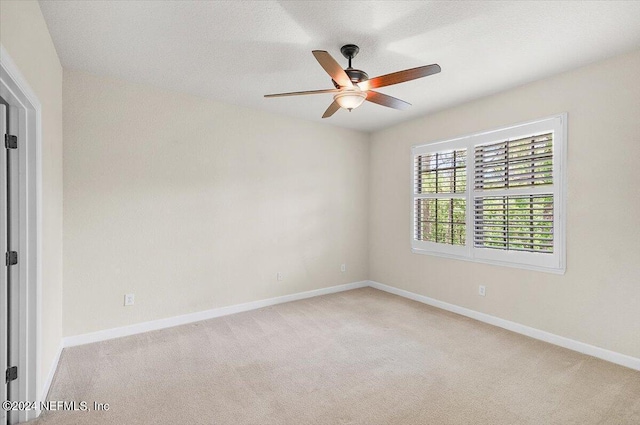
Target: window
<point x="493" y="197"/>
<point x="441" y="219"/>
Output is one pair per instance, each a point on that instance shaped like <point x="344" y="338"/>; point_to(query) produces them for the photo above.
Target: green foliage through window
<point x="441" y="172"/>
<point x="514" y="163"/>
<point x="520" y="223"/>
<point x="441" y="220"/>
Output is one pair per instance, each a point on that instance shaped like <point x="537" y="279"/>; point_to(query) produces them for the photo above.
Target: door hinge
<point x="11" y="258"/>
<point x="10" y="142"/>
<point x="11" y="374"/>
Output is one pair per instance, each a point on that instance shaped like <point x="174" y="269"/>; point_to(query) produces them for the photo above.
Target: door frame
<point x="15" y="90"/>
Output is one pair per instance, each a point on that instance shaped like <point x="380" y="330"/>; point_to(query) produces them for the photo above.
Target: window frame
<point x="548" y="262"/>
<point x="445" y="249"/>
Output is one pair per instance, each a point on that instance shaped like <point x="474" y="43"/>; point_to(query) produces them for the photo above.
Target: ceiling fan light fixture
<point x="353" y="86"/>
<point x="350" y="99"/>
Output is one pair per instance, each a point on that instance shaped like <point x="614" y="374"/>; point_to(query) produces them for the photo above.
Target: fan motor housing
<point x="356" y="76"/>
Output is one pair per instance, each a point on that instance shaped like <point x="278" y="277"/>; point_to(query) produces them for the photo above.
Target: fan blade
<point x="386" y="100"/>
<point x="399" y="77"/>
<point x="331" y="109"/>
<point x="300" y="93"/>
<point x="333" y="68"/>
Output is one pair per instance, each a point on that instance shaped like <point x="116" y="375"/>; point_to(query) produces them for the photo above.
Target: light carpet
<point x="356" y="357"/>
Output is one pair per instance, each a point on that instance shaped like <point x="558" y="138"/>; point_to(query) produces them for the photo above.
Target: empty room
<point x="320" y="212"/>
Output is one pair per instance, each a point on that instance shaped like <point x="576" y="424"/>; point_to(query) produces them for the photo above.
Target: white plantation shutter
<point x="495" y="197"/>
<point x="441" y="172"/>
<point x="440" y="182"/>
<point x="514" y="163"/>
<point x="441" y="220"/>
<point x="439" y="206"/>
<point x="522" y="222"/>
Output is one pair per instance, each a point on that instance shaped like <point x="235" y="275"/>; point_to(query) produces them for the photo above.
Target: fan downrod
<point x="349" y="51"/>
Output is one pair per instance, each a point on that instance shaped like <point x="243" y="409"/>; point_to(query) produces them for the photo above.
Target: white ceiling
<point x="237" y="51"/>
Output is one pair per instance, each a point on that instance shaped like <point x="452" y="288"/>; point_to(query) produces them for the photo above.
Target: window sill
<point x="558" y="271"/>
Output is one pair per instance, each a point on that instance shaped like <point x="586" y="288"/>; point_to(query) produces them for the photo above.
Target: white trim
<point x="52" y="371"/>
<point x="488" y="261"/>
<point x="571" y="344"/>
<point x="169" y="322"/>
<point x="16" y="91"/>
<point x="581" y="347"/>
<point x="21" y="83"/>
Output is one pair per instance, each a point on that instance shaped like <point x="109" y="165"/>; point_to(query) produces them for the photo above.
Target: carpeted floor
<point x="357" y="357"/>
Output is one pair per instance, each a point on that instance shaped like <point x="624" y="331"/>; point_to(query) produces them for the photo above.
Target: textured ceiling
<point x="237" y="51"/>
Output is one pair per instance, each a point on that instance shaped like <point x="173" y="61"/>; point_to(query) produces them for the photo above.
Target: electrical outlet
<point x="343" y="267"/>
<point x="129" y="299"/>
<point x="482" y="290"/>
<point x="279" y="276"/>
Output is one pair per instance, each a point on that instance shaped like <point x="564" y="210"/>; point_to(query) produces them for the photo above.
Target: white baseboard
<point x="202" y="315"/>
<point x="52" y="372"/>
<point x="581" y="347"/>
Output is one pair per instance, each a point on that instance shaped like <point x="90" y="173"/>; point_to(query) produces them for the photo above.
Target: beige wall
<point x="24" y="34"/>
<point x="597" y="301"/>
<point x="192" y="204"/>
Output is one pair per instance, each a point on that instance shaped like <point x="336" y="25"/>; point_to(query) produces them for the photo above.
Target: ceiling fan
<point x="353" y="86"/>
